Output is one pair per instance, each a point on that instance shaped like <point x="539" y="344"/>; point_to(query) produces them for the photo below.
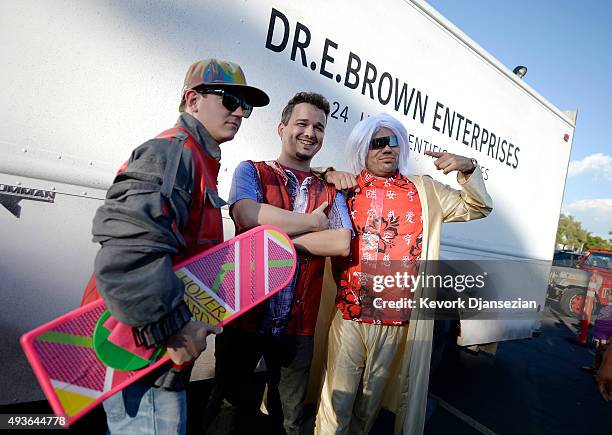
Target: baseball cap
<point x="225" y="75"/>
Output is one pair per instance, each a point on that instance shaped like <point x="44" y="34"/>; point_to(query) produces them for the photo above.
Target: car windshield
<point x="600" y="259"/>
<point x="567" y="259"/>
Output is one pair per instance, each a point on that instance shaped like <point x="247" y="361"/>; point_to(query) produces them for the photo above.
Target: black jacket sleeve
<point x="134" y="226"/>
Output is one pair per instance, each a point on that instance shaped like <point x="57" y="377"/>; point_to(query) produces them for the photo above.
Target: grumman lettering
<point x="27" y="193"/>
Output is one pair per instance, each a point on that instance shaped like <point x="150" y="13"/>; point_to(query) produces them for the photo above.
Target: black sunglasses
<point x="230" y="101"/>
<point x="381" y="142"/>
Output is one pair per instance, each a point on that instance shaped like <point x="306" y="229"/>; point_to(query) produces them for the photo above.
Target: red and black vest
<point x="305" y="306"/>
<point x="204" y="227"/>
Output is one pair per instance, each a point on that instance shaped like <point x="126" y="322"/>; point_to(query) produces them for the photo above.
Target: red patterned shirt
<point x="388" y="223"/>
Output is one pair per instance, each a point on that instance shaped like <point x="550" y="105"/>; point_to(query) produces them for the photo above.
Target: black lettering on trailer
<point x="352" y="70"/>
<point x="368" y="80"/>
<point x="301" y="45"/>
<point x="383" y="76"/>
<point x="274" y="15"/>
<point x="327" y="58"/>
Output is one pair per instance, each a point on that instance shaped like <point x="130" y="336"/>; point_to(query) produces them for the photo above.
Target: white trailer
<point x="84" y="82"/>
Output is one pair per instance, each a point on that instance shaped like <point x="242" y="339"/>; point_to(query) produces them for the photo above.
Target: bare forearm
<point x="290" y="222"/>
<point x="327" y="243"/>
<point x="249" y="214"/>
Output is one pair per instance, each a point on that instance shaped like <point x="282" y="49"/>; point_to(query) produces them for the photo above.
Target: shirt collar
<point x="368" y="179"/>
<point x="284" y="172"/>
<point x="200" y="134"/>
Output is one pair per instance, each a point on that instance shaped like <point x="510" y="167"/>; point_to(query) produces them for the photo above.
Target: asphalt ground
<point x="530" y="386"/>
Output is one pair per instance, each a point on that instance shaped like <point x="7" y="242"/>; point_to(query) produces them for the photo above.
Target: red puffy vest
<point x="204" y="228"/>
<point x="305" y="306"/>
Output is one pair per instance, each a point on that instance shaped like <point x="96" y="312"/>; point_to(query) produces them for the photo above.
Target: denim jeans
<point x="142" y="409"/>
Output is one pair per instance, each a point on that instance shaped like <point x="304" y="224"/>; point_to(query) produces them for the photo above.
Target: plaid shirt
<point x="245" y="185"/>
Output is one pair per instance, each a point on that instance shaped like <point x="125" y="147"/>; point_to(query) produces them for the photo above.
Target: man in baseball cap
<point x="163" y="208"/>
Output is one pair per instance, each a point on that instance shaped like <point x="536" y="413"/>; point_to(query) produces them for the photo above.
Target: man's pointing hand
<point x="448" y="162"/>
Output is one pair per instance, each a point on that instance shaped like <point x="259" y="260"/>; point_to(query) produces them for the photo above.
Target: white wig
<point x="358" y="142"/>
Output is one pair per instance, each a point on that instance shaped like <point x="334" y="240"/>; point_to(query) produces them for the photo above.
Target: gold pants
<point x="360" y="360"/>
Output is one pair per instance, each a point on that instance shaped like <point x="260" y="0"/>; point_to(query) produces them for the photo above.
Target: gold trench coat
<point x="407" y="394"/>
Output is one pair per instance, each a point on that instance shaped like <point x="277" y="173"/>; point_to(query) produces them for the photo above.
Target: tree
<point x="597" y="242"/>
<point x="570" y="233"/>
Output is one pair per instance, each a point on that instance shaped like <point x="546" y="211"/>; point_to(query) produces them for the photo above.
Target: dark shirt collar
<point x="200" y="134"/>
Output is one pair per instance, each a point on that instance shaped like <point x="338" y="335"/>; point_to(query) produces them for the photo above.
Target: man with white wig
<point x="379" y="350"/>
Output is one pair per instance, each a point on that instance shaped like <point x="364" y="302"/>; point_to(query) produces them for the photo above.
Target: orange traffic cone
<point x="587" y="309"/>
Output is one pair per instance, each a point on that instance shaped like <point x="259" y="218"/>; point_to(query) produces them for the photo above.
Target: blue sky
<point x="567" y="47"/>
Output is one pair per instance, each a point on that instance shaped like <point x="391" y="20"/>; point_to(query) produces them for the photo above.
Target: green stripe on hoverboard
<point x="280" y="263"/>
<point x="231" y="266"/>
<point x="62" y="338"/>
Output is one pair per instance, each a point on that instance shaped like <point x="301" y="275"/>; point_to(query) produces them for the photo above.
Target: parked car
<point x="568" y="284"/>
<point x="566" y="258"/>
